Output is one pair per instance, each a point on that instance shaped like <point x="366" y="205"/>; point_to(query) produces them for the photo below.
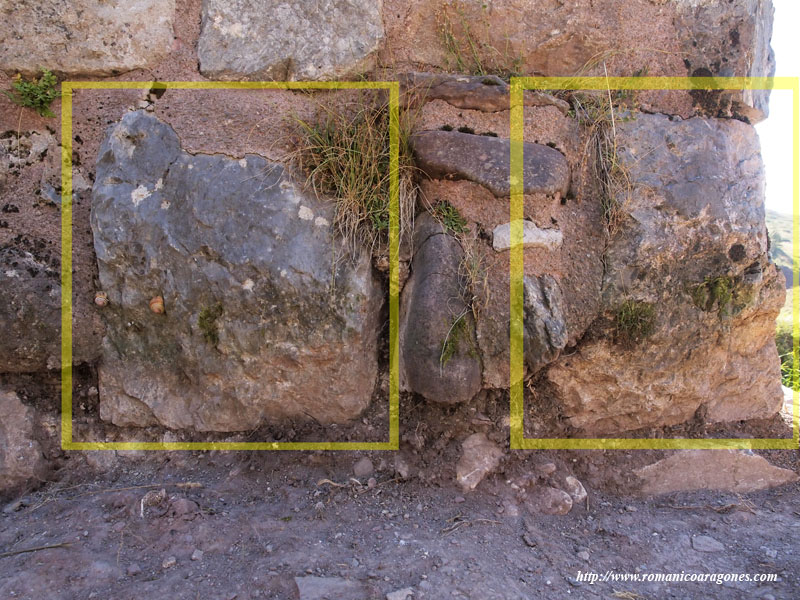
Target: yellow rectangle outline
<point x="67" y="88"/>
<point x="518" y="85"/>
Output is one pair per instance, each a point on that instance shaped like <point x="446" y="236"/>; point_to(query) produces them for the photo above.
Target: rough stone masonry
<point x="230" y="300"/>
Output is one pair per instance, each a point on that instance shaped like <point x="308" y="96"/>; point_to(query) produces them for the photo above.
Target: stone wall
<point x="212" y="292"/>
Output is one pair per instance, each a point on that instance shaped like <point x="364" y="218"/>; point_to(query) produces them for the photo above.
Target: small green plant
<point x="460" y="332"/>
<point x="345" y="154"/>
<point x="474" y="292"/>
<point x="634" y="321"/>
<point x="474" y="276"/>
<point x="790" y="372"/>
<point x="714" y="293"/>
<point x="207" y="321"/>
<point x="450" y="218"/>
<point x="37" y="94"/>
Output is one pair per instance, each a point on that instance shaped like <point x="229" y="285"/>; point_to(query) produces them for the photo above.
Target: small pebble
<point x="133" y="569"/>
<point x="197" y="555"/>
<point x="363" y="467"/>
<point x="169" y="562"/>
<point x="13" y="507"/>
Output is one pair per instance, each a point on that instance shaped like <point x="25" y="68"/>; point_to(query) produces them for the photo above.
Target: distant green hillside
<point x="779" y="226"/>
<point x="780" y="236"/>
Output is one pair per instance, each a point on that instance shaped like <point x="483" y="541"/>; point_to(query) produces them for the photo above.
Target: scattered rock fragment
<point x="363" y="467"/>
<point x="479" y="457"/>
<point x="532" y="237"/>
<point x="545" y="469"/>
<point x="549" y="501"/>
<point x="575" y="489"/>
<point x="736" y="471"/>
<point x="401" y="466"/>
<point x="404" y="594"/>
<point x="329" y="588"/>
<point x="706" y="543"/>
<point x="21" y="459"/>
<point x="183" y="508"/>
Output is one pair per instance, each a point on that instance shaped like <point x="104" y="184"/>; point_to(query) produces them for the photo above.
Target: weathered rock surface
<point x="549" y="501"/>
<point x="84" y="37"/>
<point x="728" y="39"/>
<point x="575" y="489"/>
<point x="286" y="41"/>
<point x="694" y="246"/>
<point x="30" y="311"/>
<point x="734" y="471"/>
<point x="532" y="237"/>
<point x="256" y="325"/>
<point x="21" y="459"/>
<point x="30" y="278"/>
<point x="439" y="358"/>
<point x="673" y="38"/>
<point x="544" y="329"/>
<point x="479" y="457"/>
<point x="485" y="160"/>
<point x="485" y="93"/>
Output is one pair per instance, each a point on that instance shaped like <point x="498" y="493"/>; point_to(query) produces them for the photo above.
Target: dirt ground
<point x="258" y="525"/>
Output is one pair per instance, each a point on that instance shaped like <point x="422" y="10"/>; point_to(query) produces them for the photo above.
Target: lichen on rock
<point x="265" y="318"/>
<point x="698" y="191"/>
<point x="288" y="40"/>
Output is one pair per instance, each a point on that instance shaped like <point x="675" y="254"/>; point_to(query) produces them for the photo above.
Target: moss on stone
<point x="714" y="293"/>
<point x="207" y="321"/>
<point x="634" y="321"/>
<point x="461" y="332"/>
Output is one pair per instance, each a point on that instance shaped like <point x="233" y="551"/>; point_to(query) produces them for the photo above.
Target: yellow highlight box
<point x="518" y="85"/>
<point x="67" y="89"/>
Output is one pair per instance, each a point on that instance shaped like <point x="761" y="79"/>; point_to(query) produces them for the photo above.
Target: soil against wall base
<point x="245" y="526"/>
<point x="226" y="525"/>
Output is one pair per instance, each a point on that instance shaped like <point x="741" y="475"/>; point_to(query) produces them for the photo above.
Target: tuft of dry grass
<point x="468" y="50"/>
<point x="474" y="276"/>
<point x="345" y="153"/>
<point x="596" y="114"/>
